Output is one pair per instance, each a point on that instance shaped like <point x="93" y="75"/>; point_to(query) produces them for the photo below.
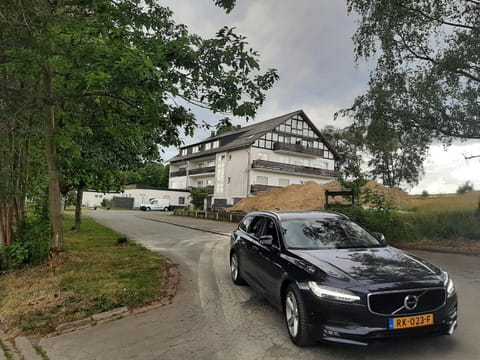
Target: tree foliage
<point x="107" y="82"/>
<point x="427" y="65"/>
<point x="198" y="197"/>
<point x="378" y="150"/>
<point x="467" y="186"/>
<point x="347" y="142"/>
<point x="150" y="174"/>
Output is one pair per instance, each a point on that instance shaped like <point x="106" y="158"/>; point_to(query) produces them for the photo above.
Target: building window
<point x="208" y="146"/>
<point x="184" y="151"/>
<point x="181" y="200"/>
<point x="215" y="144"/>
<point x="283" y="182"/>
<point x="228" y="180"/>
<point x="200" y="183"/>
<point x="262" y="180"/>
<point x="195" y="149"/>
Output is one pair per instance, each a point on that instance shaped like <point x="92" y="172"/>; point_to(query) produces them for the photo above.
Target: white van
<point x="156" y="204"/>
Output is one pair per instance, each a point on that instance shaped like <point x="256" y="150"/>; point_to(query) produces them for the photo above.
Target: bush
<point x="380" y="216"/>
<point x="31" y="244"/>
<point x="467" y="186"/>
<point x="425" y="193"/>
<point x="198" y="197"/>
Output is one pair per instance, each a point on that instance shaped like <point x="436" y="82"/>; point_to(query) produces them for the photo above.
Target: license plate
<point x="407" y="322"/>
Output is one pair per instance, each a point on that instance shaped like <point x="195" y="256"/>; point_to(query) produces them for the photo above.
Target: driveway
<point x="212" y="319"/>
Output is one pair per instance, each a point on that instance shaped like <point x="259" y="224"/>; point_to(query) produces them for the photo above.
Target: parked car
<point x="336" y="281"/>
<point x="156" y="204"/>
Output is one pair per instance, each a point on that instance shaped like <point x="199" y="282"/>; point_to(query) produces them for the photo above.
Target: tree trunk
<point x="78" y="207"/>
<point x="3" y="226"/>
<point x="54" y="195"/>
<point x="10" y="223"/>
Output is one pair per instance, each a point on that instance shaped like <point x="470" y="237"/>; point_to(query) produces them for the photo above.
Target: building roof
<point x="246" y="136"/>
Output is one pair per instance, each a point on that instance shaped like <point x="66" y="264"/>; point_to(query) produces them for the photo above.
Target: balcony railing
<point x="178" y="173"/>
<point x="256" y="188"/>
<point x="203" y="170"/>
<point x="297" y="148"/>
<point x="289" y="168"/>
<point x="208" y="187"/>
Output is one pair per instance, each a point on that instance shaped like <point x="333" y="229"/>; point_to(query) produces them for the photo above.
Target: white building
<point x="275" y="153"/>
<point x="141" y="195"/>
<point x="94" y="199"/>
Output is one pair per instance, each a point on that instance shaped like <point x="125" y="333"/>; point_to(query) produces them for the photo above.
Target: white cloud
<point x="446" y="169"/>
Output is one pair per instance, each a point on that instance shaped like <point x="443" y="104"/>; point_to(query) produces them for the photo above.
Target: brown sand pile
<point x="310" y="196"/>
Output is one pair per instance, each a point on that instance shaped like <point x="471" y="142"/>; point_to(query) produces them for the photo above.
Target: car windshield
<point x="326" y="233"/>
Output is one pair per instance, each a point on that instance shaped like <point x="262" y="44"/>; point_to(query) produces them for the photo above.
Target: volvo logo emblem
<point x="410" y="302"/>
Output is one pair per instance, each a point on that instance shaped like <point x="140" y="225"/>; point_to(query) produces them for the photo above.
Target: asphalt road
<point x="211" y="318"/>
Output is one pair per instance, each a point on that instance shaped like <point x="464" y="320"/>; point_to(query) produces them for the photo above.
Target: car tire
<point x="165" y="209"/>
<point x="296" y="317"/>
<point x="147" y="209"/>
<point x="235" y="269"/>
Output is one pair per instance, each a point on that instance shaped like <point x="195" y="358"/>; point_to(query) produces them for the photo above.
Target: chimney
<point x="212" y="133"/>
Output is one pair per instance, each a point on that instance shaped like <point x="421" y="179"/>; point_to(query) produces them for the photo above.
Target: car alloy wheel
<point x="235" y="270"/>
<point x="148" y="209"/>
<point x="296" y="319"/>
<point x="291" y="314"/>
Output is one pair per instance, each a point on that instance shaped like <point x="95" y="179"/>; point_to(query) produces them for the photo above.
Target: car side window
<point x="271" y="229"/>
<point x="256" y="226"/>
<point x="245" y="224"/>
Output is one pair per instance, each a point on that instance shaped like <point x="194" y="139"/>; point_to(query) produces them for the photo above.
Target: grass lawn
<point x="446" y="203"/>
<point x="93" y="275"/>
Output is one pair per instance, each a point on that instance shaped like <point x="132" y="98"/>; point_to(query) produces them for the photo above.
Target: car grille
<point x="393" y="302"/>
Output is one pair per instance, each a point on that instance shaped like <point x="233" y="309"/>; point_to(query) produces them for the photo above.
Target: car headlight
<point x="332" y="293"/>
<point x="450" y="288"/>
<point x="448" y="283"/>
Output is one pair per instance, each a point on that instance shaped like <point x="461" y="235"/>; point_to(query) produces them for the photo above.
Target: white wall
<point x="142" y="196"/>
<point x="92" y="199"/>
<point x="179" y="182"/>
<point x="274" y="178"/>
<point x="236" y="174"/>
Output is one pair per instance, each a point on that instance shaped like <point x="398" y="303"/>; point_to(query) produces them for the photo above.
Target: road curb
<point x="26" y="348"/>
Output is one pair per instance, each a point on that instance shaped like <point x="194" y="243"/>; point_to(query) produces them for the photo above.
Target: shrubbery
<point x="32" y="241"/>
<point x="380" y="216"/>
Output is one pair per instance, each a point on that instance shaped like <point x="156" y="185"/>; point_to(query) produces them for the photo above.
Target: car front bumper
<point x="355" y="324"/>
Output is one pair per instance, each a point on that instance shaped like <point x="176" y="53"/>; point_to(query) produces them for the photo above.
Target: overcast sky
<point x="309" y="43"/>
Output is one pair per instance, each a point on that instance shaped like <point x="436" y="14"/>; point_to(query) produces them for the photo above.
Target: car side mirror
<point x="266" y="240"/>
<point x="380" y="237"/>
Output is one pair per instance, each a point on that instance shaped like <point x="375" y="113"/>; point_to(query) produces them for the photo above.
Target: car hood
<point x="370" y="266"/>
